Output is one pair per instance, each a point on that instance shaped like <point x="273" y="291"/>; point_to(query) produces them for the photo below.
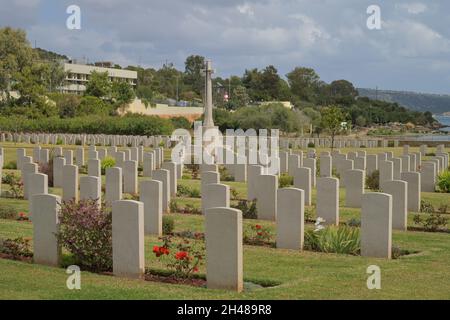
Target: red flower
<point x="195" y="269"/>
<point x="181" y="255"/>
<point x="258" y="226"/>
<point x="158" y="251"/>
<point x="260" y="234"/>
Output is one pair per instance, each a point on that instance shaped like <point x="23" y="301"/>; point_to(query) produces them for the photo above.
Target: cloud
<point x="328" y="35"/>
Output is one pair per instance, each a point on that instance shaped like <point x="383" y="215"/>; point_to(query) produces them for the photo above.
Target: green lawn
<point x="301" y="275"/>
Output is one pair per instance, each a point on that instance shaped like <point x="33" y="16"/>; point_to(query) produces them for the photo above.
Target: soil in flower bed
<point x="195" y="282"/>
<point x="421" y="229"/>
<point x="19" y="258"/>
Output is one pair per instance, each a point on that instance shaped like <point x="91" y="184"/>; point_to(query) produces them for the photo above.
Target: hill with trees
<point x="434" y="103"/>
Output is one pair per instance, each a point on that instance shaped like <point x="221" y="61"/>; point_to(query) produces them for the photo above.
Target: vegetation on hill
<point x="434" y="103"/>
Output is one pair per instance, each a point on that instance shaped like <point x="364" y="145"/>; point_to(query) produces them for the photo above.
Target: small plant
<point x="8" y="212"/>
<point x="353" y="222"/>
<point x="168" y="225"/>
<point x="59" y="141"/>
<point x="443" y="208"/>
<point x="332" y="239"/>
<point x="12" y="165"/>
<point x="173" y="206"/>
<point x="444" y="181"/>
<point x="225" y="175"/>
<point x="433" y="223"/>
<point x="258" y="235"/>
<point x="86" y="232"/>
<point x="108" y="162"/>
<point x="78" y="142"/>
<point x="373" y="181"/>
<point x="22" y="216"/>
<point x="426" y="207"/>
<point x="185" y="191"/>
<point x="309" y="215"/>
<point x="234" y="194"/>
<point x="195" y="169"/>
<point x="248" y="208"/>
<point x="16" y="248"/>
<point x="183" y="257"/>
<point x="311" y="145"/>
<point x="15" y="185"/>
<point x="285" y="181"/>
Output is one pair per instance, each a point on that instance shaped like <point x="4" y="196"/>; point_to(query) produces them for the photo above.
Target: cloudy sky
<point x="410" y="52"/>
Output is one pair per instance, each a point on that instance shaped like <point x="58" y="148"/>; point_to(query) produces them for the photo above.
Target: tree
<point x="332" y="119"/>
<point x="54" y="76"/>
<point x="16" y="54"/>
<point x="193" y="76"/>
<point x="304" y="83"/>
<point x="99" y="85"/>
<point x="239" y="98"/>
<point x="122" y="93"/>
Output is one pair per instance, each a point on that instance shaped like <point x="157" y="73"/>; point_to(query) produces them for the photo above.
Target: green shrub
<point x="444" y="181"/>
<point x="285" y="181"/>
<point x="248" y="209"/>
<point x="12" y="165"/>
<point x="225" y="175"/>
<point x="434" y="222"/>
<point x="426" y="207"/>
<point x="342" y="239"/>
<point x="108" y="162"/>
<point x="8" y="212"/>
<point x="373" y="181"/>
<point x="15" y="185"/>
<point x="168" y="225"/>
<point x="189" y="192"/>
<point x="311" y="145"/>
<point x="353" y="222"/>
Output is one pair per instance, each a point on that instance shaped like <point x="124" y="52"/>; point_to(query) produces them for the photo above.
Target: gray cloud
<point x="410" y="52"/>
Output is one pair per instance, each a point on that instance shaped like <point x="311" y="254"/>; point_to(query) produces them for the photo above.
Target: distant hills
<point x="435" y="103"/>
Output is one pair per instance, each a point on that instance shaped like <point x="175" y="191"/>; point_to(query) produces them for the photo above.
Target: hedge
<point x="127" y="125"/>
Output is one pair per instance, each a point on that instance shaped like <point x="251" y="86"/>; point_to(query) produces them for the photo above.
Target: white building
<point x="78" y="76"/>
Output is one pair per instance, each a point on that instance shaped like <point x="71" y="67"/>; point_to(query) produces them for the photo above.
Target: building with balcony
<point x="78" y="76"/>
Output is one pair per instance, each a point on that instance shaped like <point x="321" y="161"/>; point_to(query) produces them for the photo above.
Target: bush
<point x="86" y="232"/>
<point x="257" y="235"/>
<point x="433" y="223"/>
<point x="168" y="225"/>
<point x="248" y="209"/>
<point x="16" y="248"/>
<point x="353" y="222"/>
<point x="426" y="207"/>
<point x="342" y="239"/>
<point x="444" y="181"/>
<point x="182" y="256"/>
<point x="8" y="212"/>
<point x="189" y="192"/>
<point x="108" y="162"/>
<point x="15" y="185"/>
<point x="12" y="165"/>
<point x="311" y="145"/>
<point x="285" y="181"/>
<point x="225" y="175"/>
<point x="130" y="124"/>
<point x="373" y="181"/>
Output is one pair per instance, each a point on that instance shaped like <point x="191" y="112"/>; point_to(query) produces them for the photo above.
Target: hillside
<point x="435" y="103"/>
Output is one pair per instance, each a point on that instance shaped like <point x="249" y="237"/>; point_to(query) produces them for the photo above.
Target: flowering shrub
<point x="258" y="235"/>
<point x="22" y="216"/>
<point x="16" y="248"/>
<point x="15" y="185"/>
<point x="183" y="257"/>
<point x="86" y="232"/>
